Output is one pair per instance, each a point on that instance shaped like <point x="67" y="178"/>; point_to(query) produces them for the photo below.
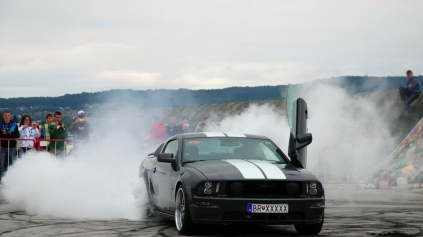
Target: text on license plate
<point x="267" y="208"/>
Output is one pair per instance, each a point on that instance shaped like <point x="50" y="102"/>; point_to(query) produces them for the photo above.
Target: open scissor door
<point x="297" y="119"/>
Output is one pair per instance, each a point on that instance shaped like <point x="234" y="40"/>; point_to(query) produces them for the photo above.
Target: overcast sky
<point x="51" y="48"/>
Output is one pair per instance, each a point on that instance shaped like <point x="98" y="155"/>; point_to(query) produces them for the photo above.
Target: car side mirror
<point x="304" y="140"/>
<point x="167" y="158"/>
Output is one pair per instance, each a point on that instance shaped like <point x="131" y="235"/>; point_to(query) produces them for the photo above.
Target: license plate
<point x="267" y="208"/>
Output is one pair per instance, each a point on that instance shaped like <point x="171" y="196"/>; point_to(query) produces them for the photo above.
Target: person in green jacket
<point x="58" y="130"/>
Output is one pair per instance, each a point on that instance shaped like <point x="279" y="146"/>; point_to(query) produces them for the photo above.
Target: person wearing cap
<point x="409" y="93"/>
<point x="80" y="130"/>
<point x="184" y="126"/>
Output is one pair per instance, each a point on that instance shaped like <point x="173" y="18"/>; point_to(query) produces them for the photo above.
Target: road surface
<point x="349" y="212"/>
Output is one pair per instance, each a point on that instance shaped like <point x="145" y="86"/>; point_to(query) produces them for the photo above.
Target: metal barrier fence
<point x="43" y="143"/>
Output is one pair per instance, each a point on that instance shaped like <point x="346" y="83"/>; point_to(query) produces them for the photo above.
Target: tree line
<point x="164" y="98"/>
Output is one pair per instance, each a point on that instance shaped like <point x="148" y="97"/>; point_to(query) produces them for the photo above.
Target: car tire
<point x="183" y="221"/>
<point x="313" y="229"/>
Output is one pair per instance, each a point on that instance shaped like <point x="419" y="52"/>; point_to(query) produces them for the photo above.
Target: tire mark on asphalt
<point x="83" y="230"/>
<point x="160" y="232"/>
<point x="34" y="226"/>
<point x="132" y="231"/>
<point x="396" y="232"/>
<point x="403" y="225"/>
<point x="16" y="216"/>
<point x="372" y="219"/>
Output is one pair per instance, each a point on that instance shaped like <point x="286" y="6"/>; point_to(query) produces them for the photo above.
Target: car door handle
<point x="154" y="169"/>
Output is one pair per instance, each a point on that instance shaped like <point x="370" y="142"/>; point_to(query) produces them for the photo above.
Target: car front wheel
<point x="309" y="229"/>
<point x="183" y="221"/>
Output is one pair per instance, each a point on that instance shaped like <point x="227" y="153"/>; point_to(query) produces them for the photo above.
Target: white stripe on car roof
<point x="248" y="170"/>
<point x="214" y="134"/>
<point x="270" y="170"/>
<point x="230" y="134"/>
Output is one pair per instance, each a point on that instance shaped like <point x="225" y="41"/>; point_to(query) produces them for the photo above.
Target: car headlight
<point x="208" y="188"/>
<point x="314" y="189"/>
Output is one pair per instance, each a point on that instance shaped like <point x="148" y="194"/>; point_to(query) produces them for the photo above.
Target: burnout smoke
<point x="264" y="119"/>
<point x="99" y="183"/>
<point x="350" y="135"/>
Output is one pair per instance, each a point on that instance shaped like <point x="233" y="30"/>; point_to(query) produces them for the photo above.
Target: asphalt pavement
<point x="349" y="212"/>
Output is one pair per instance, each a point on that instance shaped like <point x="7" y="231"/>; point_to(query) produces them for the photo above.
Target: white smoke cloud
<point x="350" y="135"/>
<point x="101" y="183"/>
<point x="264" y="120"/>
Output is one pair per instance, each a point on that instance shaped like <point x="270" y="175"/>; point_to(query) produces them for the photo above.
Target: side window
<point x="172" y="147"/>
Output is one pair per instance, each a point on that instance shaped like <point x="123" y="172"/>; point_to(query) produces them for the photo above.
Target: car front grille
<point x="263" y="188"/>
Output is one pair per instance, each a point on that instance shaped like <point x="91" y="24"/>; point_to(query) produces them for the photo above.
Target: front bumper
<point x="234" y="210"/>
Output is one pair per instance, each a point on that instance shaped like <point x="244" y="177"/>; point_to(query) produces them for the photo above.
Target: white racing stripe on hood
<point x="214" y="134"/>
<point x="270" y="170"/>
<point x="248" y="170"/>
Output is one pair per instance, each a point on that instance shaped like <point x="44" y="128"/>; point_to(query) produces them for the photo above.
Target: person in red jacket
<point x="158" y="133"/>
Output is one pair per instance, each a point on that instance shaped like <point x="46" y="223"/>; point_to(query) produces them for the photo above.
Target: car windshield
<point x="196" y="149"/>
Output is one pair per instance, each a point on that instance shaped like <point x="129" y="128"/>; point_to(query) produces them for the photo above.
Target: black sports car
<point x="216" y="178"/>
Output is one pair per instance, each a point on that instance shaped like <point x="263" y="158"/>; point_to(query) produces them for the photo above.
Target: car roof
<point x="219" y="134"/>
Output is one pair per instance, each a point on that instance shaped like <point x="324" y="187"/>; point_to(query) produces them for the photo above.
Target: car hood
<point x="250" y="170"/>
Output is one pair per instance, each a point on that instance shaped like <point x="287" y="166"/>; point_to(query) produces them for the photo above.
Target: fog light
<point x="202" y="203"/>
<point x="313" y="191"/>
<point x="208" y="184"/>
<point x="316" y="204"/>
<point x="209" y="191"/>
<point x="313" y="185"/>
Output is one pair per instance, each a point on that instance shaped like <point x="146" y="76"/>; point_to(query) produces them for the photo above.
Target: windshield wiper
<point x="254" y="158"/>
<point x="185" y="162"/>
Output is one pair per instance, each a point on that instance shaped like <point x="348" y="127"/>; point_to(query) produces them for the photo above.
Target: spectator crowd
<point x="17" y="139"/>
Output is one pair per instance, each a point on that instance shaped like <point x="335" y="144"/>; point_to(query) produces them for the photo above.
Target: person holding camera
<point x="206" y="125"/>
<point x="80" y="131"/>
<point x="27" y="130"/>
<point x="184" y="126"/>
<point x="8" y="148"/>
<point x="57" y="130"/>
